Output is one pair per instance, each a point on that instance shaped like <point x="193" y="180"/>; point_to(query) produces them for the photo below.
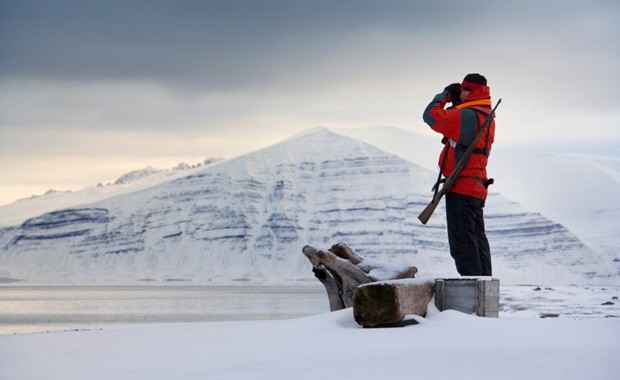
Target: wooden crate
<point x="478" y="296"/>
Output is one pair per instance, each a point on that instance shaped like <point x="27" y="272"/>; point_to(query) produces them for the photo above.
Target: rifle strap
<point x="443" y="163"/>
<point x="485" y="151"/>
<point x="462" y="147"/>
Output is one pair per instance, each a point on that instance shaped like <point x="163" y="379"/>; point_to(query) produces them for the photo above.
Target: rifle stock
<point x="425" y="215"/>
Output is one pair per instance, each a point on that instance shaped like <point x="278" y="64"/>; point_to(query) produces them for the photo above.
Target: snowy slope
<point x="246" y="219"/>
<point x="23" y="209"/>
<point x="579" y="192"/>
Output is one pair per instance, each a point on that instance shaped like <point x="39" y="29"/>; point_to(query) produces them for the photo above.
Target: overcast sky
<point x="92" y="89"/>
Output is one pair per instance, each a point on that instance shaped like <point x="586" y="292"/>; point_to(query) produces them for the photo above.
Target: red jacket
<point x="460" y="125"/>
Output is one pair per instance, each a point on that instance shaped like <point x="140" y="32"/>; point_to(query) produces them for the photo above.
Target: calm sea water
<point x="27" y="309"/>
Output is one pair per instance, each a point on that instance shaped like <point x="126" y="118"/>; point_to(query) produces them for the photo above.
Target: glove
<point x="455" y="92"/>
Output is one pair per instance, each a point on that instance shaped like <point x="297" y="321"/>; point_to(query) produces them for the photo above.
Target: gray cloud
<point x="217" y="44"/>
<point x="209" y="43"/>
<point x="228" y="45"/>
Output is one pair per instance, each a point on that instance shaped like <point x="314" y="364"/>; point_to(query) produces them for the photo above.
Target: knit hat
<point x="473" y="81"/>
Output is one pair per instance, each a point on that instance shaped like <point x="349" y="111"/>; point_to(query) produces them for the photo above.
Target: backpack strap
<point x="484" y="151"/>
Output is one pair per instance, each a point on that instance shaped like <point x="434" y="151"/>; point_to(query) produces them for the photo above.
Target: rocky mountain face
<point x="246" y="219"/>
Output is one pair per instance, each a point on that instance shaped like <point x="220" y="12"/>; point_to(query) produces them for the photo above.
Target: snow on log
<point x="341" y="270"/>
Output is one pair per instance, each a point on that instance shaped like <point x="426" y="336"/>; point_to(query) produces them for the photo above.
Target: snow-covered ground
<point x="443" y="345"/>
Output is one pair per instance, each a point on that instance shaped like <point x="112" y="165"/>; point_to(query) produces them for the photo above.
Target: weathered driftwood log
<point x="345" y="252"/>
<point x="339" y="276"/>
<point x="341" y="271"/>
<point x="387" y="302"/>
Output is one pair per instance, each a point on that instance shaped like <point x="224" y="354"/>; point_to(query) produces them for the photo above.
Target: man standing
<point x="459" y="124"/>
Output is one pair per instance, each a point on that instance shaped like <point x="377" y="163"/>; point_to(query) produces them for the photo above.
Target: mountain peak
<point x="135" y="175"/>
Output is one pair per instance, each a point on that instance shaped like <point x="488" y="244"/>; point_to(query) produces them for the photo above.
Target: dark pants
<point x="469" y="246"/>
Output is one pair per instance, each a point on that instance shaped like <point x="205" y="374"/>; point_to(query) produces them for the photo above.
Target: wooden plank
<point x="478" y="296"/>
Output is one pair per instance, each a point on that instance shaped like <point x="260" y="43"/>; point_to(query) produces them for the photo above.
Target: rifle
<point x="425" y="215"/>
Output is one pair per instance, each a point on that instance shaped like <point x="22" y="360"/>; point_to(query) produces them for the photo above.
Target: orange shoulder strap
<point x="481" y="102"/>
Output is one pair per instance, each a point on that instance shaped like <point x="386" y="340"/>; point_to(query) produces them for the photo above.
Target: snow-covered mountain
<point x="247" y="218"/>
<point x="26" y="208"/>
<point x="577" y="191"/>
